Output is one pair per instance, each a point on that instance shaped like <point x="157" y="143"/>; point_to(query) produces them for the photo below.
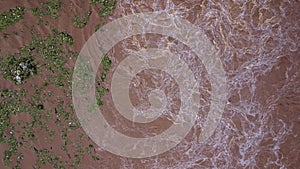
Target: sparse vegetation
<point x="106" y="6"/>
<point x="50" y="49"/>
<point x="38" y="13"/>
<point x="8" y="107"/>
<point x="52" y="8"/>
<point x="100" y="90"/>
<point x="97" y="27"/>
<point x="18" y="69"/>
<point x="10" y="17"/>
<point x="81" y="22"/>
<point x="65" y="37"/>
<point x="45" y="156"/>
<point x="40" y="69"/>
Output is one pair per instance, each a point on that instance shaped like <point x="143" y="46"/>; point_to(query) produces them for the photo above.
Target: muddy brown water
<point x="259" y="48"/>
